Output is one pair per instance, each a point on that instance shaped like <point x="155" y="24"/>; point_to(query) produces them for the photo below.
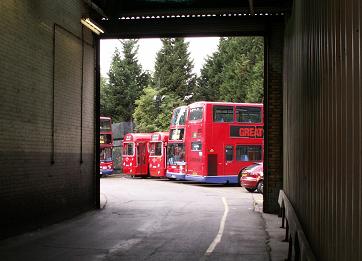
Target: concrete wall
<point x="46" y="113"/>
<point x="323" y="124"/>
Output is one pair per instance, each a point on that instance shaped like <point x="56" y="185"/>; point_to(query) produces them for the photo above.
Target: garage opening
<point x="145" y="82"/>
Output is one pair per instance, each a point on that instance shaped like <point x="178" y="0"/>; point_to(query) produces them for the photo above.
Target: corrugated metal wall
<point x="323" y="124"/>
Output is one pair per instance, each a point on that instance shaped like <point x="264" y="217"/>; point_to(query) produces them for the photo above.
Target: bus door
<point x="195" y="159"/>
<point x="141" y="158"/>
<point x="164" y="156"/>
<point x="212" y="165"/>
<point x="229" y="164"/>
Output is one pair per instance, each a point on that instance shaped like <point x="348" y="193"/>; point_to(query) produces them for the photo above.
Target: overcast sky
<point x="199" y="48"/>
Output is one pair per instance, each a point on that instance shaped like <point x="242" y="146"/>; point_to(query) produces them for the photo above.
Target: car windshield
<point x="252" y="167"/>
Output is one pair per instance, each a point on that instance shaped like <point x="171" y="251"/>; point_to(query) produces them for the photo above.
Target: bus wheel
<point x="260" y="187"/>
<point x="250" y="189"/>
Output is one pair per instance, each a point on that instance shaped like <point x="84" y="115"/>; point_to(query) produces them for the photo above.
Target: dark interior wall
<point x="323" y="124"/>
<point x="46" y="113"/>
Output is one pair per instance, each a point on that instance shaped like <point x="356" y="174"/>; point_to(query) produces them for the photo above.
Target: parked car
<point x="252" y="177"/>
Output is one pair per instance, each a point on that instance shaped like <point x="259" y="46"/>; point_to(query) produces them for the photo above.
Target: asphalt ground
<point x="156" y="219"/>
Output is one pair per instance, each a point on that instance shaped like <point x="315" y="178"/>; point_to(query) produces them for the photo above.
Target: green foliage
<point x="153" y="111"/>
<point x="173" y="69"/>
<point x="234" y="73"/>
<point x="126" y="82"/>
<point x="105" y="105"/>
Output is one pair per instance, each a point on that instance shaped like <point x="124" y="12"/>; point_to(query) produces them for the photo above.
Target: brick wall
<point x="273" y="117"/>
<point x="46" y="116"/>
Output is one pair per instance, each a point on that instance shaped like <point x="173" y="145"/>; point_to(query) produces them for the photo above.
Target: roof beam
<point x="251" y="7"/>
<point x="183" y="27"/>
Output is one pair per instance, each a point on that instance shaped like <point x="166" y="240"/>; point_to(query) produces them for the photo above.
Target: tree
<point x="210" y="79"/>
<point x="235" y="72"/>
<point x="153" y="111"/>
<point x="126" y="82"/>
<point x="105" y="108"/>
<point x="173" y="69"/>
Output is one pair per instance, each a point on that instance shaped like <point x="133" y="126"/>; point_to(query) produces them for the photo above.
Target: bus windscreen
<point x="155" y="148"/>
<point x="178" y="117"/>
<point x="175" y="153"/>
<point x="105" y="125"/>
<point x="128" y="149"/>
<point x="106" y="154"/>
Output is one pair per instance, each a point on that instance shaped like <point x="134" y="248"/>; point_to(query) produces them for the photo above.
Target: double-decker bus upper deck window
<point x="178" y="117"/>
<point x="248" y="114"/>
<point x="196" y="113"/>
<point x="196" y="146"/>
<point x="248" y="153"/>
<point x="223" y="113"/>
<point x="177" y="134"/>
<point x="229" y="153"/>
<point x="155" y="148"/>
<point x="105" y="125"/>
<point x="128" y="149"/>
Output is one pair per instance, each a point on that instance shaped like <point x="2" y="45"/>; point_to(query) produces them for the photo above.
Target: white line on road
<point x="221" y="229"/>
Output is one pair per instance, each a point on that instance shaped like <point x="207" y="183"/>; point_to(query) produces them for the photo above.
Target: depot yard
<point x="159" y="219"/>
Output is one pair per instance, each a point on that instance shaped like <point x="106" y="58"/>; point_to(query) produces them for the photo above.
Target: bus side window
<point x="229" y="153"/>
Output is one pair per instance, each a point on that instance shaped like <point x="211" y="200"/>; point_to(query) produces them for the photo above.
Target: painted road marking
<point x="221" y="229"/>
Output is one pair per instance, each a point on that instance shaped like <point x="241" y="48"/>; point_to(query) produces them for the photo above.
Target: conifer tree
<point x="126" y="82"/>
<point x="235" y="72"/>
<point x="173" y="69"/>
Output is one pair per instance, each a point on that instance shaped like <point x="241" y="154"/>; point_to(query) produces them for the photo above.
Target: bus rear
<point x="106" y="146"/>
<point x="176" y="163"/>
<point x="135" y="154"/>
<point x="222" y="139"/>
<point x="157" y="154"/>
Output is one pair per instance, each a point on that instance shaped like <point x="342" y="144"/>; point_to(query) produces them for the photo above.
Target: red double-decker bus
<point x="176" y="161"/>
<point x="157" y="154"/>
<point x="221" y="139"/>
<point x="135" y="154"/>
<point x="106" y="146"/>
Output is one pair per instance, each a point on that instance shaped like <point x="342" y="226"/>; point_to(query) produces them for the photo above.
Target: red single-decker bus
<point x="176" y="163"/>
<point x="222" y="138"/>
<point x="157" y="154"/>
<point x="135" y="154"/>
<point x="106" y="146"/>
